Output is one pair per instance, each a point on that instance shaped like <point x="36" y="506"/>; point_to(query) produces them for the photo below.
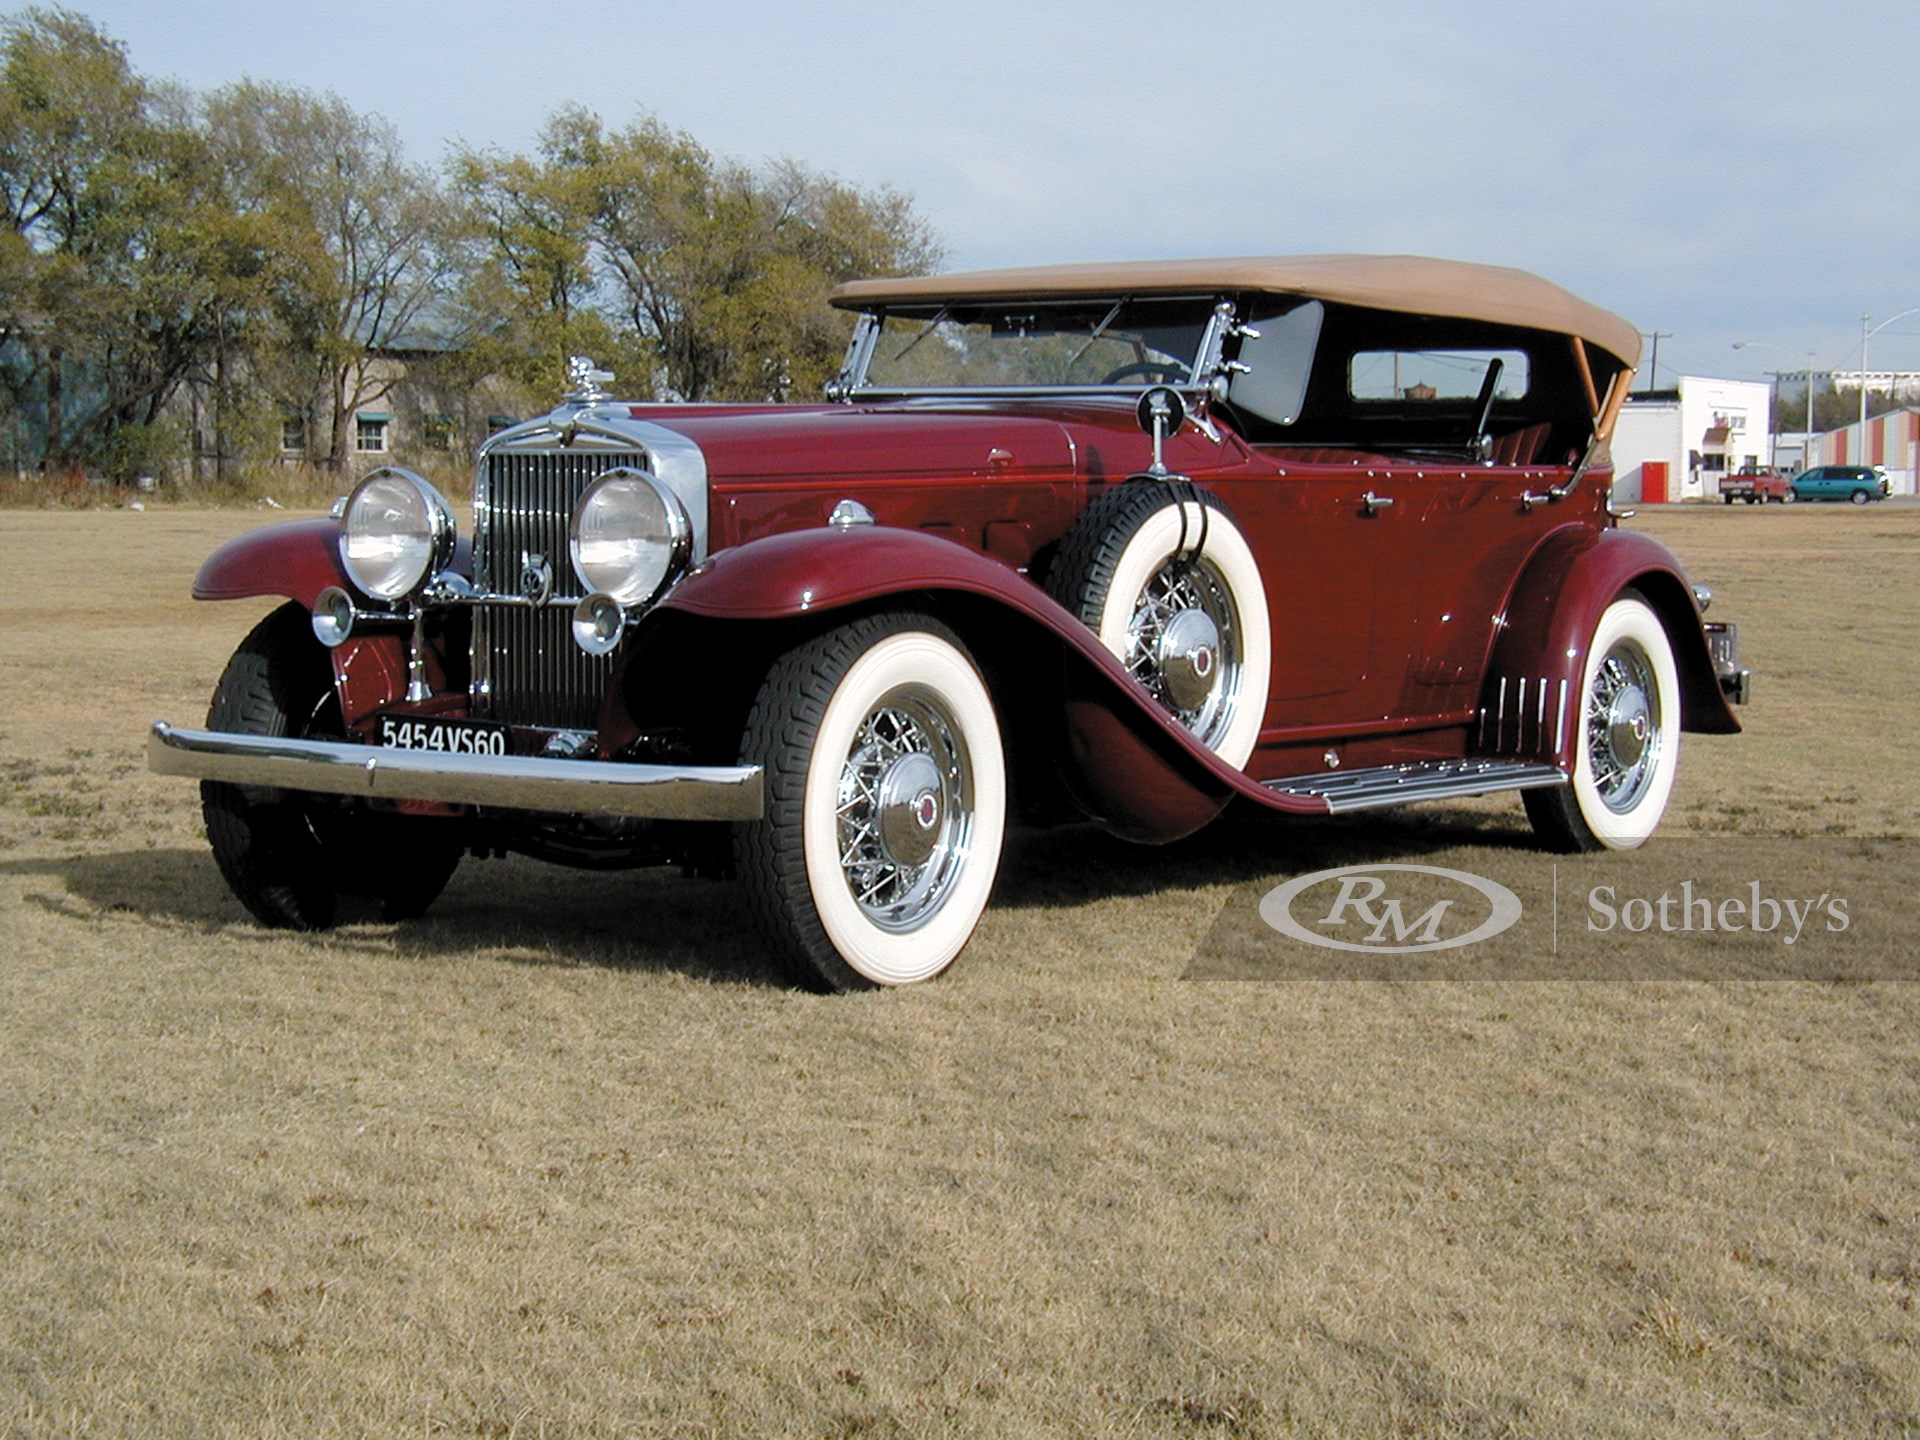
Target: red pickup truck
<point x="1756" y="487"/>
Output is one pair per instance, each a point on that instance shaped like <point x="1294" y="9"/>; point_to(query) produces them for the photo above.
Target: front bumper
<point x="507" y="782"/>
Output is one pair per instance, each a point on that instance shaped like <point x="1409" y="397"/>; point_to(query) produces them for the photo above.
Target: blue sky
<point x="1717" y="171"/>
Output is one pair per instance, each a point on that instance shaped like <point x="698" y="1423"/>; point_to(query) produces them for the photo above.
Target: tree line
<point x="260" y="247"/>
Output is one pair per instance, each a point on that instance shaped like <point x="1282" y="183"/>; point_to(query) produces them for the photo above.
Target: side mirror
<point x="1161" y="413"/>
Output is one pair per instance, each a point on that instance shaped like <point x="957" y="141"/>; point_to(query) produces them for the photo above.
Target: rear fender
<point x="1124" y="760"/>
<point x="1530" y="704"/>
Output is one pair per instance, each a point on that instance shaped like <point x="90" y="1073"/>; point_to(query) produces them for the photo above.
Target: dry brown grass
<point x="565" y="1159"/>
<point x="267" y="486"/>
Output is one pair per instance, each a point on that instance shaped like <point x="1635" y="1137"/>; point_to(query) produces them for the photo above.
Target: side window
<point x="1434" y="376"/>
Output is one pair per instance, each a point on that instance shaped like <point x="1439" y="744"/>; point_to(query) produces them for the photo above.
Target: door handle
<point x="1372" y="504"/>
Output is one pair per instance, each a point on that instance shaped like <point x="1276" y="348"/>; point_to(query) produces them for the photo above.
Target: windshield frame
<point x="854" y="382"/>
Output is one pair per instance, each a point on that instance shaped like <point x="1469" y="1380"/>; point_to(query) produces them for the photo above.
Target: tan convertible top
<point x="1413" y="283"/>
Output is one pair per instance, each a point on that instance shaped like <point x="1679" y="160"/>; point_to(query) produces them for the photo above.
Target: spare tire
<point x="1162" y="574"/>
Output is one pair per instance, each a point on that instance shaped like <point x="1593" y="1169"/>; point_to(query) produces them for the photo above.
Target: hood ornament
<point x="584" y="381"/>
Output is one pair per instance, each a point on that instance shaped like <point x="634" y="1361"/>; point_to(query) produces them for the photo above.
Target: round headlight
<point x="397" y="533"/>
<point x="630" y="536"/>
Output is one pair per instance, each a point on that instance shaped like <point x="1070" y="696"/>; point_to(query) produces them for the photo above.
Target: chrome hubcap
<point x="904" y="810"/>
<point x="1183" y="644"/>
<point x="1623" y="727"/>
<point x="908" y="803"/>
<point x="1629" y="726"/>
<point x="1189" y="659"/>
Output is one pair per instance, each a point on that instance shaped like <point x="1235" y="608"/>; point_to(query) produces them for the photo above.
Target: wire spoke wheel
<point x="1167" y="581"/>
<point x="1627" y="740"/>
<point x="1183" y="644"/>
<point x="904" y="810"/>
<point x="1623" y="726"/>
<point x="886" y="802"/>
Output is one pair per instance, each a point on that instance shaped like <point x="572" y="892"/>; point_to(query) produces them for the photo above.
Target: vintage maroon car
<point x="1125" y="542"/>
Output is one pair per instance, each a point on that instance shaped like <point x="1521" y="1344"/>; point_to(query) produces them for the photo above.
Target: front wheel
<point x="886" y="802"/>
<point x="1628" y="740"/>
<point x="1859" y="497"/>
<point x="292" y="857"/>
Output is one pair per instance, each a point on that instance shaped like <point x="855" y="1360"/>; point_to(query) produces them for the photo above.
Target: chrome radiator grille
<point x="526" y="668"/>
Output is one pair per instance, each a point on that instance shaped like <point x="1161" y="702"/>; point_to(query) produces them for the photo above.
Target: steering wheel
<point x="1168" y="370"/>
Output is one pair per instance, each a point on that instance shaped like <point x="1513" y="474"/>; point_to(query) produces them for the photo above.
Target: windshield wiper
<point x="932" y="325"/>
<point x="1093" y="339"/>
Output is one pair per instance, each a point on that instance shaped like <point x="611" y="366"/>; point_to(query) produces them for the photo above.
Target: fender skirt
<point x="1124" y="759"/>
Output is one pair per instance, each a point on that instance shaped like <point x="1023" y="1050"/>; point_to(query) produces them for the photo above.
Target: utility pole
<point x="1653" y="361"/>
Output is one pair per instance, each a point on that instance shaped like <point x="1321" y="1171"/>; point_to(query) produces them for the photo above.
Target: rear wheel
<point x="292" y="858"/>
<point x="1628" y="742"/>
<point x="1859" y="497"/>
<point x="886" y="803"/>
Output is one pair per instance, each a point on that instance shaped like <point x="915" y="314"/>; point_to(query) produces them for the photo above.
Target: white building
<point x="1676" y="444"/>
<point x="1897" y="383"/>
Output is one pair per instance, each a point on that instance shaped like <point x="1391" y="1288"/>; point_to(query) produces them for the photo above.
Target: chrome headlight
<point x="396" y="534"/>
<point x="630" y="536"/>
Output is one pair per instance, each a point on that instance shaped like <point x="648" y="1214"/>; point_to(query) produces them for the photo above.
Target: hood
<point x="791" y="442"/>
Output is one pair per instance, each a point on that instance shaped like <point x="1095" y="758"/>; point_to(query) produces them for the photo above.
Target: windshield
<point x="1037" y="344"/>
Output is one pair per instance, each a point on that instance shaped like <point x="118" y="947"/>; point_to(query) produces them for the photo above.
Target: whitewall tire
<point x="886" y="802"/>
<point x="1167" y="581"/>
<point x="1627" y="740"/>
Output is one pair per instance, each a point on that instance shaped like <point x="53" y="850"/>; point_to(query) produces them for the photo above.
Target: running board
<point x="1427" y="780"/>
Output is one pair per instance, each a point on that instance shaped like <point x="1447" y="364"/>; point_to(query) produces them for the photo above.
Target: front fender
<point x="1125" y="760"/>
<point x="801" y="572"/>
<point x="297" y="559"/>
<point x="1542" y="634"/>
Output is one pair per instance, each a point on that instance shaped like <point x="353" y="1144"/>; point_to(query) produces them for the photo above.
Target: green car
<point x="1857" y="483"/>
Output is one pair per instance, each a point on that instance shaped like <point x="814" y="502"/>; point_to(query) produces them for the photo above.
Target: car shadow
<point x="515" y="910"/>
<point x="527" y="913"/>
<point x="1081" y="863"/>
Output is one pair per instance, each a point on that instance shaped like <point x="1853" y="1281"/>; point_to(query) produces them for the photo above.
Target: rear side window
<point x="1435" y="376"/>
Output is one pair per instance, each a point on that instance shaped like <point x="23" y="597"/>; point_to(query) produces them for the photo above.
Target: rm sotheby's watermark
<point x="1702" y="909"/>
<point x="1362" y="914"/>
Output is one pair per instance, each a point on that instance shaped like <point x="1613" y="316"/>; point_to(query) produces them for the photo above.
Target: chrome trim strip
<point x="510" y="782"/>
<point x="962" y="394"/>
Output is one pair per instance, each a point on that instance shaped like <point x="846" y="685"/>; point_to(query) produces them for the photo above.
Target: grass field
<point x="567" y="1159"/>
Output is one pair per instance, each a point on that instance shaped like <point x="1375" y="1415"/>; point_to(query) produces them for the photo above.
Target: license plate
<point x="450" y="737"/>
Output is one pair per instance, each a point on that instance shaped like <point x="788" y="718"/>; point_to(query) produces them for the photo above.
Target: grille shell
<point x="526" y="668"/>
